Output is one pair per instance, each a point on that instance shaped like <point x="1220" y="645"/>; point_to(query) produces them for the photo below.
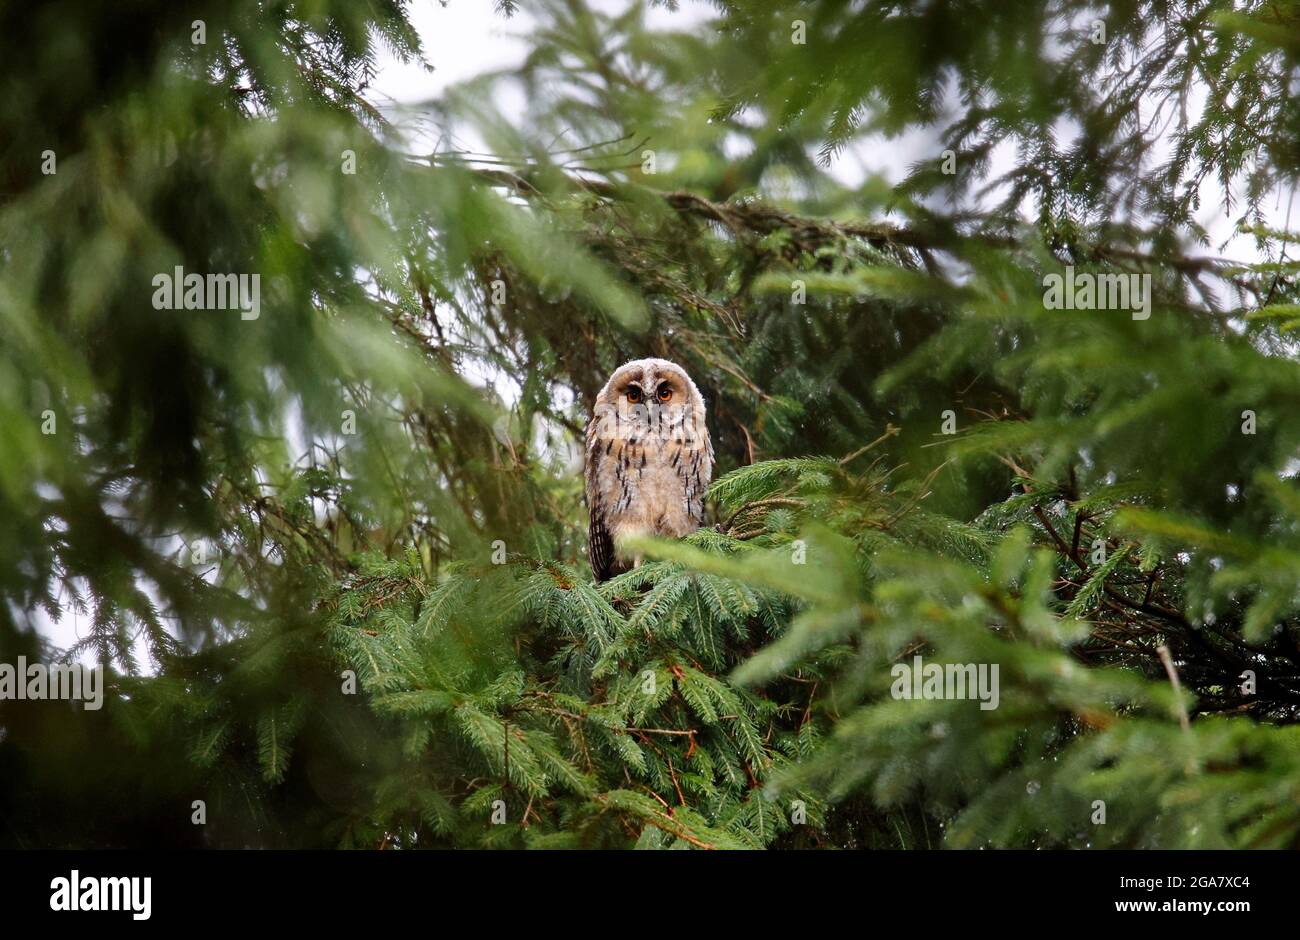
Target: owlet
<point x="649" y="461"/>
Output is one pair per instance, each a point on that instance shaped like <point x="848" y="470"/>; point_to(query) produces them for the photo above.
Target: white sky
<point x="464" y="38"/>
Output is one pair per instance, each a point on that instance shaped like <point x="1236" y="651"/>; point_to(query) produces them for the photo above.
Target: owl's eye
<point x="633" y="394"/>
<point x="665" y="393"/>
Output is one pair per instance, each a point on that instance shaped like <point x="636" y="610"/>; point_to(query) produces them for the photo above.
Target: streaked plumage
<point x="649" y="460"/>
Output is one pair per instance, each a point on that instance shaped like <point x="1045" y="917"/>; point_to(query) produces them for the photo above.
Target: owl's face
<point x="649" y="398"/>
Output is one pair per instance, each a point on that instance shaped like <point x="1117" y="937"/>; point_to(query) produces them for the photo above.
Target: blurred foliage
<point x="373" y="487"/>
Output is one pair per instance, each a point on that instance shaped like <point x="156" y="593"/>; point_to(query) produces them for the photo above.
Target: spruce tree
<point x="333" y="557"/>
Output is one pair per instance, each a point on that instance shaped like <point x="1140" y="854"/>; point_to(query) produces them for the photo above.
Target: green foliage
<point x="332" y="558"/>
<point x="607" y="719"/>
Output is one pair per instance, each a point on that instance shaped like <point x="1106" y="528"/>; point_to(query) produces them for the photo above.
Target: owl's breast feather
<point x="652" y="490"/>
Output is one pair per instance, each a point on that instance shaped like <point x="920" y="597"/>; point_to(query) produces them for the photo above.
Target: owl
<point x="649" y="461"/>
